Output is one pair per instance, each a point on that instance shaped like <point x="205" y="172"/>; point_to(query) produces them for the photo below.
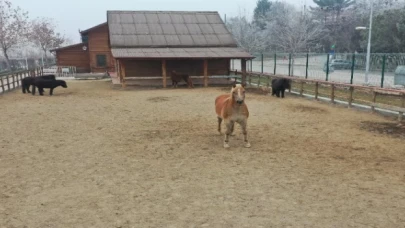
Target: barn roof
<point x="168" y="29"/>
<point x="158" y="34"/>
<point x="94" y="27"/>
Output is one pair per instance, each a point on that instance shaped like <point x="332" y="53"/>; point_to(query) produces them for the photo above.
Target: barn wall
<point x="218" y="66"/>
<point x="142" y="68"/>
<point x="74" y="56"/>
<point x="145" y="68"/>
<point x="99" y="44"/>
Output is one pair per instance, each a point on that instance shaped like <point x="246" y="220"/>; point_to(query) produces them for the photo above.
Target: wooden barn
<point x="93" y="54"/>
<point x="150" y="44"/>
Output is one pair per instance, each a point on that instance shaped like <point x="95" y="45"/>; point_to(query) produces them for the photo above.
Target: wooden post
<point x="8" y="82"/>
<point x="2" y="84"/>
<point x="374" y="100"/>
<point x="13" y="77"/>
<point x="205" y="72"/>
<point x="302" y="88"/>
<point x="316" y="90"/>
<point x="164" y="73"/>
<point x="332" y="94"/>
<point x="243" y="67"/>
<point x="123" y="73"/>
<point x="118" y="69"/>
<point x="351" y="96"/>
<point x="401" y="114"/>
<point x="268" y="81"/>
<point x="258" y="83"/>
<point x="18" y="80"/>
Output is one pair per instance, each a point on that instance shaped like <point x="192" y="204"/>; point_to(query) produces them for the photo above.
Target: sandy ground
<point x="92" y="156"/>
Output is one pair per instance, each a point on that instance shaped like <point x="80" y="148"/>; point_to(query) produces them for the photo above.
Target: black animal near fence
<point x="12" y="81"/>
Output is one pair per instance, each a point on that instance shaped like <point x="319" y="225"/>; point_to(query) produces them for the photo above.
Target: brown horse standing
<point x="232" y="108"/>
<point x="176" y="78"/>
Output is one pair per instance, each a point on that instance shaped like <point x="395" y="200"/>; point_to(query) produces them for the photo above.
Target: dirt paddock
<point x="92" y="156"/>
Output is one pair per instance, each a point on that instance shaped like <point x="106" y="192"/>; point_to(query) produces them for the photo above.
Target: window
<point x="85" y="38"/>
<point x="101" y="60"/>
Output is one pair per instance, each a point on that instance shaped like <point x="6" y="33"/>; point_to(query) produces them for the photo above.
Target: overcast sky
<point x="72" y="15"/>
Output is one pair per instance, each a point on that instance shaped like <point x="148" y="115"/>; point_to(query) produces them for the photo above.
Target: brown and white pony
<point x="176" y="78"/>
<point x="232" y="108"/>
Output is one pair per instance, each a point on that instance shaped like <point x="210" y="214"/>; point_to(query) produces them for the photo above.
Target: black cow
<point x="280" y="85"/>
<point x="27" y="82"/>
<point x="46" y="83"/>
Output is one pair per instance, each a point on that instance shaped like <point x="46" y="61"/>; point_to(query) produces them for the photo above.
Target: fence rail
<point x="374" y="97"/>
<point x="12" y="81"/>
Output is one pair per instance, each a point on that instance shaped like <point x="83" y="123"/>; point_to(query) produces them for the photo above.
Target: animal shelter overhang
<point x="179" y="53"/>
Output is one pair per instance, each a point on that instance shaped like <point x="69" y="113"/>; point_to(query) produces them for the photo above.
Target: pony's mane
<point x="236" y="87"/>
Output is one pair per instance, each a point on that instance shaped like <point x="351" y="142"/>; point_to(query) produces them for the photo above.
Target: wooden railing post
<point x="18" y="80"/>
<point x="401" y="114"/>
<point x="374" y="100"/>
<point x="351" y="90"/>
<point x="258" y="83"/>
<point x="2" y="84"/>
<point x="332" y="94"/>
<point x="8" y="82"/>
<point x="316" y="90"/>
<point x="301" y="88"/>
<point x="14" y="82"/>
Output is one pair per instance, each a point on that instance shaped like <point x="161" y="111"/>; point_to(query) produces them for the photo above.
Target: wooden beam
<point x="164" y="73"/>
<point x="122" y="66"/>
<point x="205" y="72"/>
<point x="243" y="67"/>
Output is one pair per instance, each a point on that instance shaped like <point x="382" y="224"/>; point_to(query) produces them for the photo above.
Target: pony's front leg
<point x="244" y="131"/>
<point x="219" y="124"/>
<point x="228" y="133"/>
<point x="232" y="128"/>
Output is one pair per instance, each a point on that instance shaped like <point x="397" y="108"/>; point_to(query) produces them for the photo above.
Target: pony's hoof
<point x="226" y="145"/>
<point x="247" y="145"/>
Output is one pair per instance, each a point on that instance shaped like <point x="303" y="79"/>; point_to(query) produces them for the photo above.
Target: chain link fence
<point x="339" y="67"/>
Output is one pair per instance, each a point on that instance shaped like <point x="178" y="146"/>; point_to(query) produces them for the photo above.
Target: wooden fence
<point x="12" y="81"/>
<point x="264" y="80"/>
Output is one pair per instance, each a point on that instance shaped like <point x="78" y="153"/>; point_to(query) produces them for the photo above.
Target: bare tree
<point x="293" y="32"/>
<point x="13" y="27"/>
<point x="246" y="33"/>
<point x="44" y="35"/>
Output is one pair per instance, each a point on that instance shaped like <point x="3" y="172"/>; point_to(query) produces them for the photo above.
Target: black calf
<point x="48" y="84"/>
<point x="280" y="85"/>
<point x="27" y="82"/>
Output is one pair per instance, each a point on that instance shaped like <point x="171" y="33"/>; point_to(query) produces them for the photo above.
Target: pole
<point x="262" y="63"/>
<point x="383" y="72"/>
<point x="306" y="68"/>
<point x="352" y="73"/>
<point x="369" y="42"/>
<point x="327" y="66"/>
<point x="275" y="63"/>
<point x="289" y="64"/>
<point x="251" y="65"/>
